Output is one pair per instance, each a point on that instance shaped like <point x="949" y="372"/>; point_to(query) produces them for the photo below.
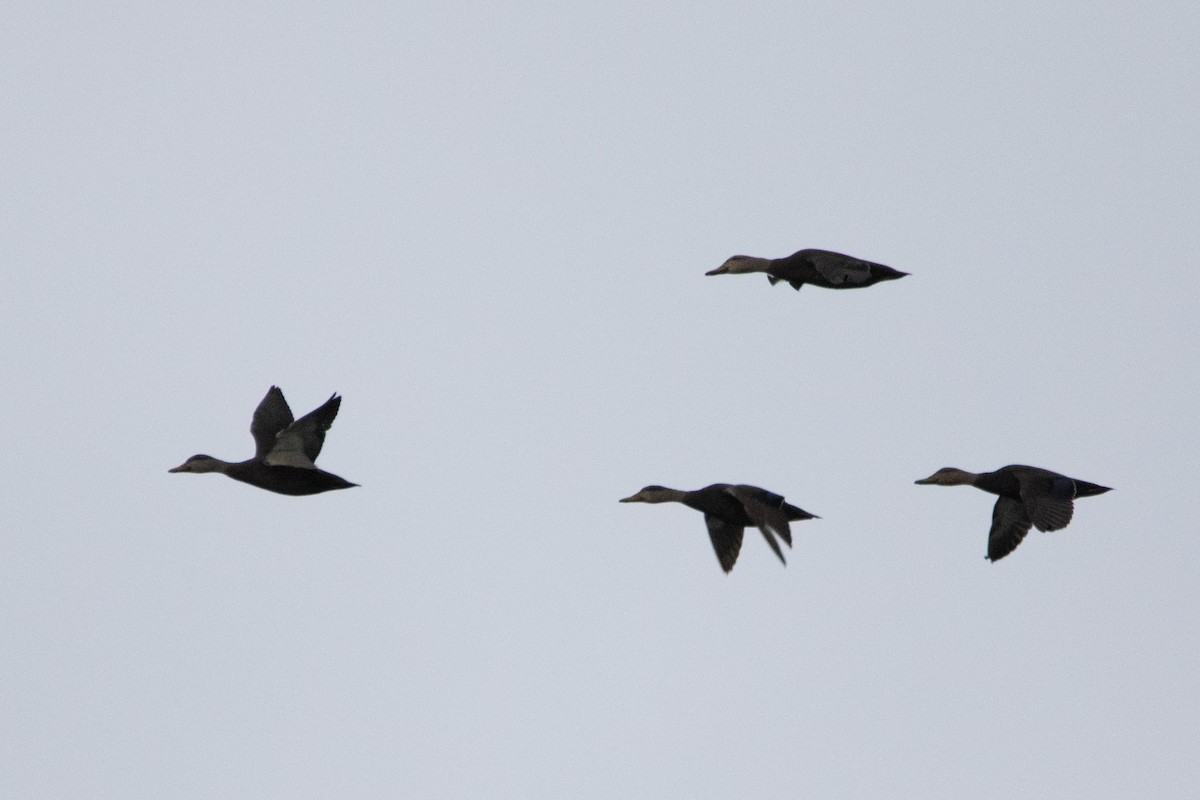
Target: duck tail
<point x="794" y="513"/>
<point x="1085" y="489"/>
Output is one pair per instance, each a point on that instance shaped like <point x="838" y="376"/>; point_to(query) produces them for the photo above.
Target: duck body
<point x="1028" y="497"/>
<point x="823" y="268"/>
<point x="285" y="450"/>
<point x="728" y="510"/>
<point x="293" y="481"/>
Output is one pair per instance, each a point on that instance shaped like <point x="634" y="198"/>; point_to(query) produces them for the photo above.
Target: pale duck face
<point x="737" y="265"/>
<point x="649" y="494"/>
<point x="198" y="463"/>
<point x="948" y="476"/>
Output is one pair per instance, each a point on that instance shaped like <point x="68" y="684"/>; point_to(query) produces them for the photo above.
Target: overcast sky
<point x="487" y="226"/>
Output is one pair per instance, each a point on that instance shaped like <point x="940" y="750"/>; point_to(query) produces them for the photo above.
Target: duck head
<point x="653" y="494"/>
<point x="737" y="265"/>
<point x="949" y="476"/>
<point x="200" y="463"/>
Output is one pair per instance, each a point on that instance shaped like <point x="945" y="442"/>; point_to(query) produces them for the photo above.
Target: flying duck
<point x="1029" y="496"/>
<point x="728" y="510"/>
<point x="284" y="450"/>
<point x="818" y="267"/>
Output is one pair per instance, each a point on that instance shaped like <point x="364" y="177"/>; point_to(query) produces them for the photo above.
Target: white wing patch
<point x="289" y="451"/>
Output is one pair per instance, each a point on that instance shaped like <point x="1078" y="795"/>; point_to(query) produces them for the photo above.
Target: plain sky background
<point x="487" y="225"/>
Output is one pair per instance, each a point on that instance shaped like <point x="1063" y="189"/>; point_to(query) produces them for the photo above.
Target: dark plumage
<point x="1029" y="496"/>
<point x="818" y="267"/>
<point x="284" y="450"/>
<point x="728" y="510"/>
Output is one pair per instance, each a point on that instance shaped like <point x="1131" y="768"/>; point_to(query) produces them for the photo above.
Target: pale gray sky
<point x="487" y="225"/>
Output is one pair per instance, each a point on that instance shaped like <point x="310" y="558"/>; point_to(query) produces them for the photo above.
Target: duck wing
<point x="726" y="540"/>
<point x="769" y="513"/>
<point x="1047" y="497"/>
<point x="839" y="269"/>
<point x="796" y="284"/>
<point x="1010" y="523"/>
<point x="300" y="443"/>
<point x="271" y="417"/>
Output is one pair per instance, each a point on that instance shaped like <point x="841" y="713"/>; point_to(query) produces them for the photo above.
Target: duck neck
<point x="223" y="467"/>
<point x="665" y="495"/>
<point x="962" y="477"/>
<point x="755" y="264"/>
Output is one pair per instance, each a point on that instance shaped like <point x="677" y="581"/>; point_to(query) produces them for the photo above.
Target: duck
<point x="728" y="509"/>
<point x="285" y="450"/>
<point x="1028" y="496"/>
<point x="817" y="267"/>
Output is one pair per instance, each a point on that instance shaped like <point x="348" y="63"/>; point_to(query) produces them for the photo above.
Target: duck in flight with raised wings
<point x="284" y="450"/>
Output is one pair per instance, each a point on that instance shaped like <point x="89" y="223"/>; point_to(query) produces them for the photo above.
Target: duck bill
<point x="925" y="481"/>
<point x="180" y="468"/>
<point x="721" y="270"/>
<point x="633" y="498"/>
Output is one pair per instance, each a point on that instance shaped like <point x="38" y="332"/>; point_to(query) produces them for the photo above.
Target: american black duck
<point x="1029" y="496"/>
<point x="728" y="510"/>
<point x="818" y="267"/>
<point x="284" y="450"/>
